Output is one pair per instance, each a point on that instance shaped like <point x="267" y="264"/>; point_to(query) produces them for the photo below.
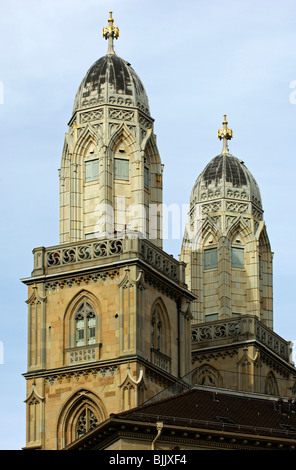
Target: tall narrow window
<point x="146" y="177"/>
<point x="156" y="333"/>
<point x="121" y="169"/>
<point x="211" y="258"/>
<point x="160" y="349"/>
<point x="85" y="325"/>
<point x="91" y="170"/>
<point x="237" y="257"/>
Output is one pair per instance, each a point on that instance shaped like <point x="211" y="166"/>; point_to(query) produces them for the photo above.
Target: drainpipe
<point x="159" y="426"/>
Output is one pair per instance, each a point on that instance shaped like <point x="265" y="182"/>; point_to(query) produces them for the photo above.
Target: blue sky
<point x="198" y="60"/>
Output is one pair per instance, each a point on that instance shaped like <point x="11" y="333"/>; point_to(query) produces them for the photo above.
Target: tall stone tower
<point x="111" y="172"/>
<point x="108" y="309"/>
<point x="229" y="268"/>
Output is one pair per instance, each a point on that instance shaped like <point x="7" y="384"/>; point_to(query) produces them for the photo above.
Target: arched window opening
<point x="82" y="413"/>
<point x="160" y="346"/>
<point x="271" y="387"/>
<point x="85" y="325"/>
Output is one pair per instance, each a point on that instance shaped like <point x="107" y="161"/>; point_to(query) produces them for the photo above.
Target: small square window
<point x="91" y="170"/>
<point x="121" y="169"/>
<point x="211" y="258"/>
<point x="237" y="257"/>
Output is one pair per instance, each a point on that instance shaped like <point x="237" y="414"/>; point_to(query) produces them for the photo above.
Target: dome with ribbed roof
<point x="226" y="176"/>
<point x="111" y="80"/>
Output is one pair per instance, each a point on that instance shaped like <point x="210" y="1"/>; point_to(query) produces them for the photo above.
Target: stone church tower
<point x="113" y="319"/>
<point x="229" y="268"/>
<point x="108" y="309"/>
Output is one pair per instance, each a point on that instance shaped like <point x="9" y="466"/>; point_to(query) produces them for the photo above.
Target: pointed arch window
<point x="85" y="325"/>
<point x="82" y="413"/>
<point x="208" y="376"/>
<point x="271" y="387"/>
<point x="160" y="339"/>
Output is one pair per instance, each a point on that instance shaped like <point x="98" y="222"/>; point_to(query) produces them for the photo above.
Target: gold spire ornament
<point x="226" y="134"/>
<point x="110" y="32"/>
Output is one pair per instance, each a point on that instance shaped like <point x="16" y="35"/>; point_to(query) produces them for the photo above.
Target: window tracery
<point x="85" y="325"/>
<point x="86" y="421"/>
<point x="157" y="330"/>
<point x="160" y="343"/>
<point x="208" y="376"/>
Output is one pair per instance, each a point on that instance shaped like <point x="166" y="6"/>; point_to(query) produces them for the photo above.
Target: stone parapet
<point x="239" y="329"/>
<point x="94" y="253"/>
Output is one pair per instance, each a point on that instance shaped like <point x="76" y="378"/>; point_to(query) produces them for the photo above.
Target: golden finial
<point x="110" y="32"/>
<point x="226" y="134"/>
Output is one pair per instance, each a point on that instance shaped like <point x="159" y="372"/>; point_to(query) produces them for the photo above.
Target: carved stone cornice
<point x="75" y="375"/>
<point x="85" y="279"/>
<point x="220" y="354"/>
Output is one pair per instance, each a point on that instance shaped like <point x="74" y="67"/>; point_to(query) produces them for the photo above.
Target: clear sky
<point x="198" y="60"/>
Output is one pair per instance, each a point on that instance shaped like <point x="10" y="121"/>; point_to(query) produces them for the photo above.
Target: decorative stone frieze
<point x="60" y="377"/>
<point x="81" y="280"/>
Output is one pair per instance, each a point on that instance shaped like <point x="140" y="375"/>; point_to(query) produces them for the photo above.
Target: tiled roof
<point x="203" y="413"/>
<point x="205" y="407"/>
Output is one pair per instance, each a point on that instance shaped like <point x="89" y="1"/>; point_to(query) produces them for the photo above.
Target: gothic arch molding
<point x="88" y="137"/>
<point x="122" y="134"/>
<point x="263" y="238"/>
<point x="70" y="412"/>
<point x="239" y="227"/>
<point x="202" y="232"/>
<point x="209" y="229"/>
<point x="149" y="148"/>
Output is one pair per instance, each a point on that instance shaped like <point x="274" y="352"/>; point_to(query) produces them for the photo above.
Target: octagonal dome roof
<point x="111" y="80"/>
<point x="224" y="175"/>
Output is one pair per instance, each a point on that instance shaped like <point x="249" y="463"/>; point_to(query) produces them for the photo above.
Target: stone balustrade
<point x="244" y="327"/>
<point x="161" y="360"/>
<point x="96" y="252"/>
